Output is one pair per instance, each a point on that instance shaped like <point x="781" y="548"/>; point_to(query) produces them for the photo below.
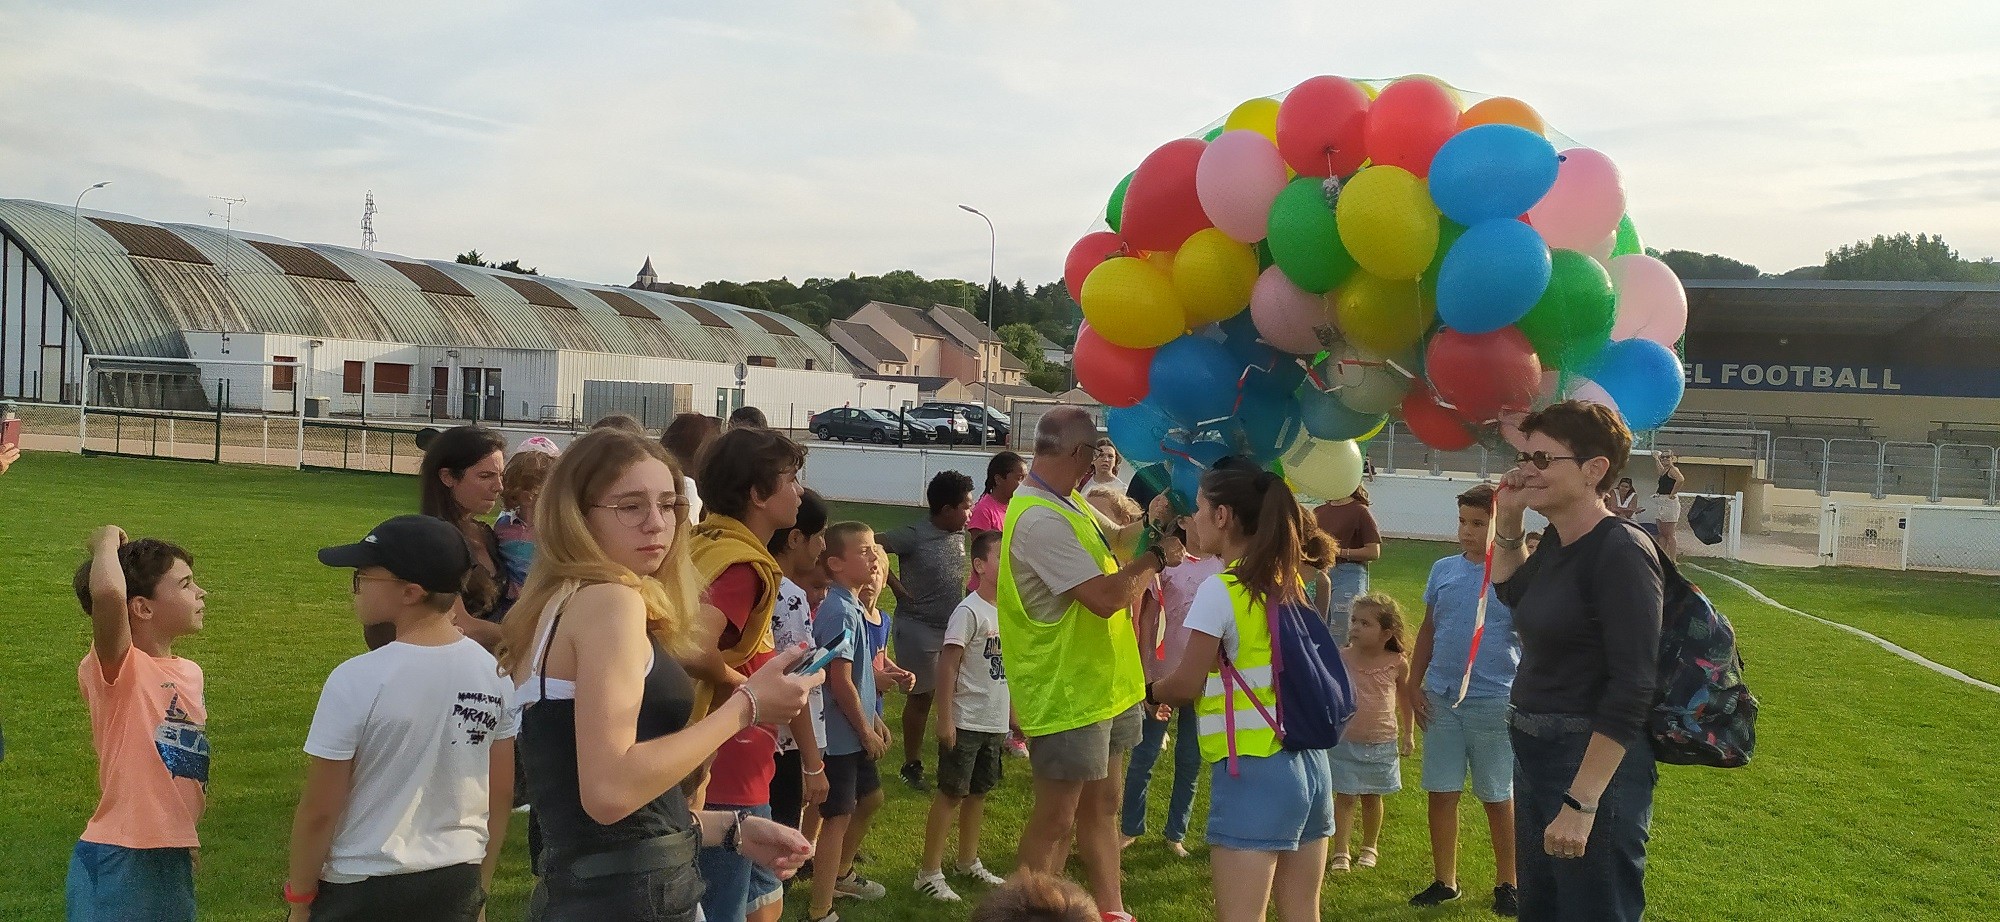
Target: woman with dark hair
<point x="1587" y="607"/>
<point x="685" y="438"/>
<point x="1270" y="808"/>
<point x="608" y="727"/>
<point x="460" y="479"/>
<point x="1105" y="468"/>
<point x="1004" y="472"/>
<point x="1351" y="524"/>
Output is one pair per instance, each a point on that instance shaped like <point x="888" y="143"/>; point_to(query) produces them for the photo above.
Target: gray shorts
<point x="917" y="646"/>
<point x="1087" y="752"/>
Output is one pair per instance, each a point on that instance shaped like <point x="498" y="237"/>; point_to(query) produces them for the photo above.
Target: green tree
<point x="1691" y="265"/>
<point x="1906" y="258"/>
<point x="1019" y="338"/>
<point x="474" y="258"/>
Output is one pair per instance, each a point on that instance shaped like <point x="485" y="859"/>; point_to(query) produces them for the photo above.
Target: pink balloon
<point x="1287" y="316"/>
<point x="1651" y="302"/>
<point x="1584" y="205"/>
<point x="1239" y="176"/>
<point x="1588" y="391"/>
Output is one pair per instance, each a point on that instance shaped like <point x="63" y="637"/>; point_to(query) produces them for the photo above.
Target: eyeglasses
<point x="358" y="578"/>
<point x="1542" y="459"/>
<point x="637" y="514"/>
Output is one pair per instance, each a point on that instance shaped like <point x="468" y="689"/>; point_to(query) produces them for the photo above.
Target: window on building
<point x="392" y="378"/>
<point x="284" y="377"/>
<point x="350" y="377"/>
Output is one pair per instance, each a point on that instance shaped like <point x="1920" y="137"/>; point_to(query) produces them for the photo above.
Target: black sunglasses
<point x="1542" y="459"/>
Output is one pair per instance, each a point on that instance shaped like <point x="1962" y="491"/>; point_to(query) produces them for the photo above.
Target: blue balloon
<point x="1270" y="368"/>
<point x="1644" y="377"/>
<point x="1193" y="380"/>
<point x="1139" y="431"/>
<point x="1326" y="418"/>
<point x="1187" y="462"/>
<point x="1492" y="276"/>
<point x="1267" y="423"/>
<point x="1491" y="171"/>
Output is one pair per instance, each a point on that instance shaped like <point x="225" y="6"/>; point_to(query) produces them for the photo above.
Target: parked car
<point x="946" y="424"/>
<point x="998" y="425"/>
<point x="914" y="432"/>
<point x="853" y="423"/>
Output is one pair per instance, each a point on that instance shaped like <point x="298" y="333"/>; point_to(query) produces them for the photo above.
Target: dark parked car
<point x="851" y="423"/>
<point x="997" y="424"/>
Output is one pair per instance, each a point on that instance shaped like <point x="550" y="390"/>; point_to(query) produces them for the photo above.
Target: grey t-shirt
<point x="1047" y="558"/>
<point x="932" y="570"/>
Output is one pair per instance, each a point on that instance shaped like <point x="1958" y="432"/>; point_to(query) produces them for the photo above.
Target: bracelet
<point x="733" y="836"/>
<point x="744" y="690"/>
<point x="822" y="771"/>
<point x="1511" y="544"/>
<point x="299" y="899"/>
<point x="1570" y="801"/>
<point x="1159" y="555"/>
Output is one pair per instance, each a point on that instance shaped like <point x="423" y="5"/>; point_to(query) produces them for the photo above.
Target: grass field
<point x="1870" y="797"/>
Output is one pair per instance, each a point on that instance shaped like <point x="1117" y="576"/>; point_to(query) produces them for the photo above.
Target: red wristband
<point x="299" y="899"/>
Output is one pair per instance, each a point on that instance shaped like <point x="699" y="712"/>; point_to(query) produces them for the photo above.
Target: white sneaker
<point x="934" y="886"/>
<point x="977" y="871"/>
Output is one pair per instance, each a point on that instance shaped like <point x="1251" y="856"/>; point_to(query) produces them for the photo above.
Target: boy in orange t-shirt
<point x="135" y="859"/>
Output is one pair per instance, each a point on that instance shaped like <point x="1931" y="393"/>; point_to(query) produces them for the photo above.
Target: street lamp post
<point x="76" y="270"/>
<point x="992" y="282"/>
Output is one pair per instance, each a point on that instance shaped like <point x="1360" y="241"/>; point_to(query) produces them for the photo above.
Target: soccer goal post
<point x="191" y="409"/>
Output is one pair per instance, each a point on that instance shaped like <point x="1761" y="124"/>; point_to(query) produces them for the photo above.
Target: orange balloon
<point x="1503" y="110"/>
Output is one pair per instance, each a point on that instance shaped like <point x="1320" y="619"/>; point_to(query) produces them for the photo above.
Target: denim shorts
<point x="1274" y="803"/>
<point x="111" y="883"/>
<point x="1365" y="768"/>
<point x="1471" y="737"/>
<point x="735" y="884"/>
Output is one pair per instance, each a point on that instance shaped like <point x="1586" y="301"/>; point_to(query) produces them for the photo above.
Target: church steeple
<point x="647" y="278"/>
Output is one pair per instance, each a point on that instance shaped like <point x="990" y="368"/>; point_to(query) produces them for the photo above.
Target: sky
<point x="763" y="138"/>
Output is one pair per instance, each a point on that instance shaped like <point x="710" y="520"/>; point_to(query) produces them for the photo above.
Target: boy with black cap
<point x="406" y="800"/>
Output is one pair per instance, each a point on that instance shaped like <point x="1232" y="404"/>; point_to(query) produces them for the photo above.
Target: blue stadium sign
<point x="1844" y="379"/>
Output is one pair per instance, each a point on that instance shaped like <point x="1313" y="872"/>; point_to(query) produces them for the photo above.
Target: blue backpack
<point x="1315" y="697"/>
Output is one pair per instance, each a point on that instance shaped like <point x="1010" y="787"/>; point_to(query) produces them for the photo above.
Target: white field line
<point x="1912" y="656"/>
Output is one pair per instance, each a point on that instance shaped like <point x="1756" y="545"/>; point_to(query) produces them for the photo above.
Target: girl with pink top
<point x="1366" y="764"/>
<point x="1162" y="636"/>
<point x="1003" y="473"/>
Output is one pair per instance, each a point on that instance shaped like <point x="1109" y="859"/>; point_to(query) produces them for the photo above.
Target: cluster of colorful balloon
<point x="1354" y="252"/>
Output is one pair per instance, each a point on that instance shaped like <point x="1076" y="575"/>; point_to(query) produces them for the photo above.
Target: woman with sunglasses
<point x="607" y="732"/>
<point x="1587" y="607"/>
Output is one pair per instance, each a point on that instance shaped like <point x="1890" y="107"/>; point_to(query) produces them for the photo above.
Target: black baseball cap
<point x="419" y="548"/>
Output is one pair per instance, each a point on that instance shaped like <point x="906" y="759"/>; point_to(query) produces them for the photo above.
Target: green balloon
<point x="1448" y="233"/>
<point x="1114" y="210"/>
<point x="1572" y="321"/>
<point x="1304" y="239"/>
<point x="1214" y="133"/>
<point x="1628" y="239"/>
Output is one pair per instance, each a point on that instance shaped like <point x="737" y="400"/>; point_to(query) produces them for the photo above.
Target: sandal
<point x="1367" y="857"/>
<point x="1338" y="862"/>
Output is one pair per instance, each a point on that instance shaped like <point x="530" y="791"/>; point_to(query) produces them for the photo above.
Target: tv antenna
<point x="228" y="214"/>
<point x="368" y="221"/>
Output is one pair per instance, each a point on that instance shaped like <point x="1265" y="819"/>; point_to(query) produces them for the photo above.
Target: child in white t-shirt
<point x="972" y="720"/>
<point x="406" y="800"/>
<point x="800" y="779"/>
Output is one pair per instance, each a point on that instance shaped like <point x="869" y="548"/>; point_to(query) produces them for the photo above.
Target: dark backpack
<point x="1706" y="517"/>
<point x="1703" y="713"/>
<point x="1315" y="696"/>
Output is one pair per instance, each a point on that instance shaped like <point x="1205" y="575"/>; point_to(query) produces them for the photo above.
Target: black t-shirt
<point x="1589" y="619"/>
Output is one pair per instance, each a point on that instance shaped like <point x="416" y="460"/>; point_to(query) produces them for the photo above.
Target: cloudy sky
<point x="753" y="139"/>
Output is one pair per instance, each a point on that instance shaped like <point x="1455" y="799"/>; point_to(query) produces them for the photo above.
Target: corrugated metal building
<point x="373" y="333"/>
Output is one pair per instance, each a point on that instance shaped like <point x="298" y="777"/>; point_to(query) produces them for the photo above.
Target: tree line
<point x="1887" y="258"/>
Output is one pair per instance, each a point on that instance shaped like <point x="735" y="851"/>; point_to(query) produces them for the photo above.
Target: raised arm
<point x="110" y="626"/>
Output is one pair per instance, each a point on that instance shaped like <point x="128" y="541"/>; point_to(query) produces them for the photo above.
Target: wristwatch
<point x="1159" y="555"/>
<point x="1570" y="801"/>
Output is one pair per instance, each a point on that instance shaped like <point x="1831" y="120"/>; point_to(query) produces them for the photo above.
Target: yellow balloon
<point x="1258" y="115"/>
<point x="1322" y="469"/>
<point x="1368" y="88"/>
<point x="1213" y="276"/>
<point x="1161" y="260"/>
<point x="1387" y="222"/>
<point x="1132" y="304"/>
<point x="1385" y="316"/>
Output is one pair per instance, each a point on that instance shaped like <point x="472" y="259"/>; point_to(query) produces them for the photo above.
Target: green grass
<point x="1869" y="799"/>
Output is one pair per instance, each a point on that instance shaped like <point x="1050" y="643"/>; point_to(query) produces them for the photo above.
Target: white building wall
<point x="787" y="396"/>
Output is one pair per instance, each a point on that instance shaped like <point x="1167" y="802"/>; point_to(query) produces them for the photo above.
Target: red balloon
<point x="1434" y="425"/>
<point x="1322" y="126"/>
<point x="1113" y="374"/>
<point x="1094" y="248"/>
<point x="1162" y="209"/>
<point x="1484" y="375"/>
<point x="1408" y="122"/>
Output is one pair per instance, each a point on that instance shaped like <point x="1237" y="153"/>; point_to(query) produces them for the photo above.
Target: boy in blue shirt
<point x="855" y="735"/>
<point x="1471" y="735"/>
